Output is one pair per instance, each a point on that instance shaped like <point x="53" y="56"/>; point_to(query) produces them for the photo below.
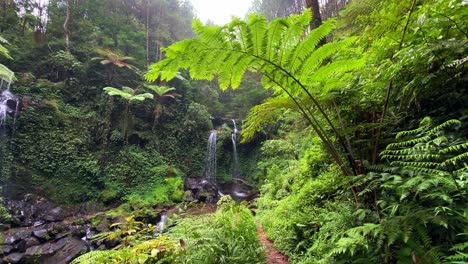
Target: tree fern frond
<point x="419" y="157"/>
<point x="458" y="147"/>
<point x="275" y="30"/>
<point x="329" y="71"/>
<point x="424" y="148"/>
<point x="310" y="42"/>
<point x="448" y="123"/>
<point x="423" y="170"/>
<point x="455" y="160"/>
<point x="258" y="28"/>
<point x="409" y="142"/>
<point x="264" y="114"/>
<point x="292" y="36"/>
<point x="417" y="164"/>
<point x="315" y="59"/>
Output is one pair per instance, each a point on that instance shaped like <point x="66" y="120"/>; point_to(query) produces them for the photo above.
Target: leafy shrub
<point x="228" y="236"/>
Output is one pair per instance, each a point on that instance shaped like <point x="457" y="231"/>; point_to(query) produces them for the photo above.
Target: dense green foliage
<point x="227" y="236"/>
<point x="355" y="131"/>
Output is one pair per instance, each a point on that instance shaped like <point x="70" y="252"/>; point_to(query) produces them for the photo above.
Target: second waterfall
<point x="235" y="172"/>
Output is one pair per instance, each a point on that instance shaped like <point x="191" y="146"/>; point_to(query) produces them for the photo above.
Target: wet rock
<point x="111" y="243"/>
<point x="55" y="214"/>
<point x="32" y="241"/>
<point x="72" y="248"/>
<point x="40" y="250"/>
<point x="38" y="223"/>
<point x="42" y="234"/>
<point x="63" y="234"/>
<point x="15" y="235"/>
<point x="13" y="258"/>
<point x="200" y="189"/>
<point x="5" y="249"/>
<point x="103" y="226"/>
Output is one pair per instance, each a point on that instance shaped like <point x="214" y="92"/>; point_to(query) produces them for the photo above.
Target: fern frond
<point x="412" y="150"/>
<point x="97" y="256"/>
<point x="452" y="122"/>
<point x="409" y="142"/>
<point x="455" y="160"/>
<point x="410" y="132"/>
<point x="458" y="147"/>
<point x="258" y="27"/>
<point x="263" y="114"/>
<point x="310" y="42"/>
<point x="419" y="157"/>
<point x="417" y="164"/>
<point x="314" y="61"/>
<point x="424" y="170"/>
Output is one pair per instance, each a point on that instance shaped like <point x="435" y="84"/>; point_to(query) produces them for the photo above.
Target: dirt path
<point x="273" y="255"/>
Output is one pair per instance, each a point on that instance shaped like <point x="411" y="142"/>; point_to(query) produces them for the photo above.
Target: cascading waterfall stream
<point x="9" y="104"/>
<point x="210" y="164"/>
<point x="5" y="97"/>
<point x="235" y="173"/>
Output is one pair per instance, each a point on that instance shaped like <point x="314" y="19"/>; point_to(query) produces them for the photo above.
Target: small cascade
<point x="5" y="97"/>
<point x="235" y="173"/>
<point x="9" y="104"/>
<point x="87" y="238"/>
<point x="162" y="223"/>
<point x="210" y="165"/>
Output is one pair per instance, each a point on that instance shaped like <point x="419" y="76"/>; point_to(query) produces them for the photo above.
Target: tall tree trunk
<point x="316" y="19"/>
<point x="65" y="27"/>
<point x="147" y="36"/>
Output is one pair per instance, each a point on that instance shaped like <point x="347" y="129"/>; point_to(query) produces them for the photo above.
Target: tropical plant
<point x="227" y="236"/>
<point x="115" y="59"/>
<point x="161" y="93"/>
<point x="150" y="251"/>
<point x="129" y="95"/>
<point x="291" y="62"/>
<point x="418" y="199"/>
<point x="5" y="73"/>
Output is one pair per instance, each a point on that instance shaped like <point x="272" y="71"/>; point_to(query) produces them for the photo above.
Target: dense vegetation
<point x="354" y="131"/>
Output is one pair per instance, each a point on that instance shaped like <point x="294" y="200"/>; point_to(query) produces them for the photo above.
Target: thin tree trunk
<point x="65" y="27"/>
<point x="316" y="17"/>
<point x="390" y="87"/>
<point x="147" y="36"/>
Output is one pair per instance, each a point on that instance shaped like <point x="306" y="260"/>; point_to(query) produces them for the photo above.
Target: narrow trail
<point x="273" y="255"/>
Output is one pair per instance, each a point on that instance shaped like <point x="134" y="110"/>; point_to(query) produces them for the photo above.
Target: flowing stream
<point x="9" y="104"/>
<point x="235" y="172"/>
<point x="210" y="164"/>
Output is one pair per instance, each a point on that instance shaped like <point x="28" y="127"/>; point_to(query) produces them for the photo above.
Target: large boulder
<point x="200" y="189"/>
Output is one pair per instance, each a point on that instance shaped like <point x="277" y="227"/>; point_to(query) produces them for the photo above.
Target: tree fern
<point x="281" y="51"/>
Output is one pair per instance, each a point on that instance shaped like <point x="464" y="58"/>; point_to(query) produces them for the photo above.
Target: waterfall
<point x="210" y="165"/>
<point x="162" y="223"/>
<point x="235" y="171"/>
<point x="6" y="78"/>
<point x="5" y="97"/>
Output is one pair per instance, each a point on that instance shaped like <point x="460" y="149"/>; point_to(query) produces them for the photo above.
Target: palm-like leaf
<point x="116" y="58"/>
<point x="159" y="90"/>
<point x="127" y="93"/>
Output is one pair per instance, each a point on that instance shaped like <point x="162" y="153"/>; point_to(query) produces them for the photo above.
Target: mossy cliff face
<point x="72" y="153"/>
